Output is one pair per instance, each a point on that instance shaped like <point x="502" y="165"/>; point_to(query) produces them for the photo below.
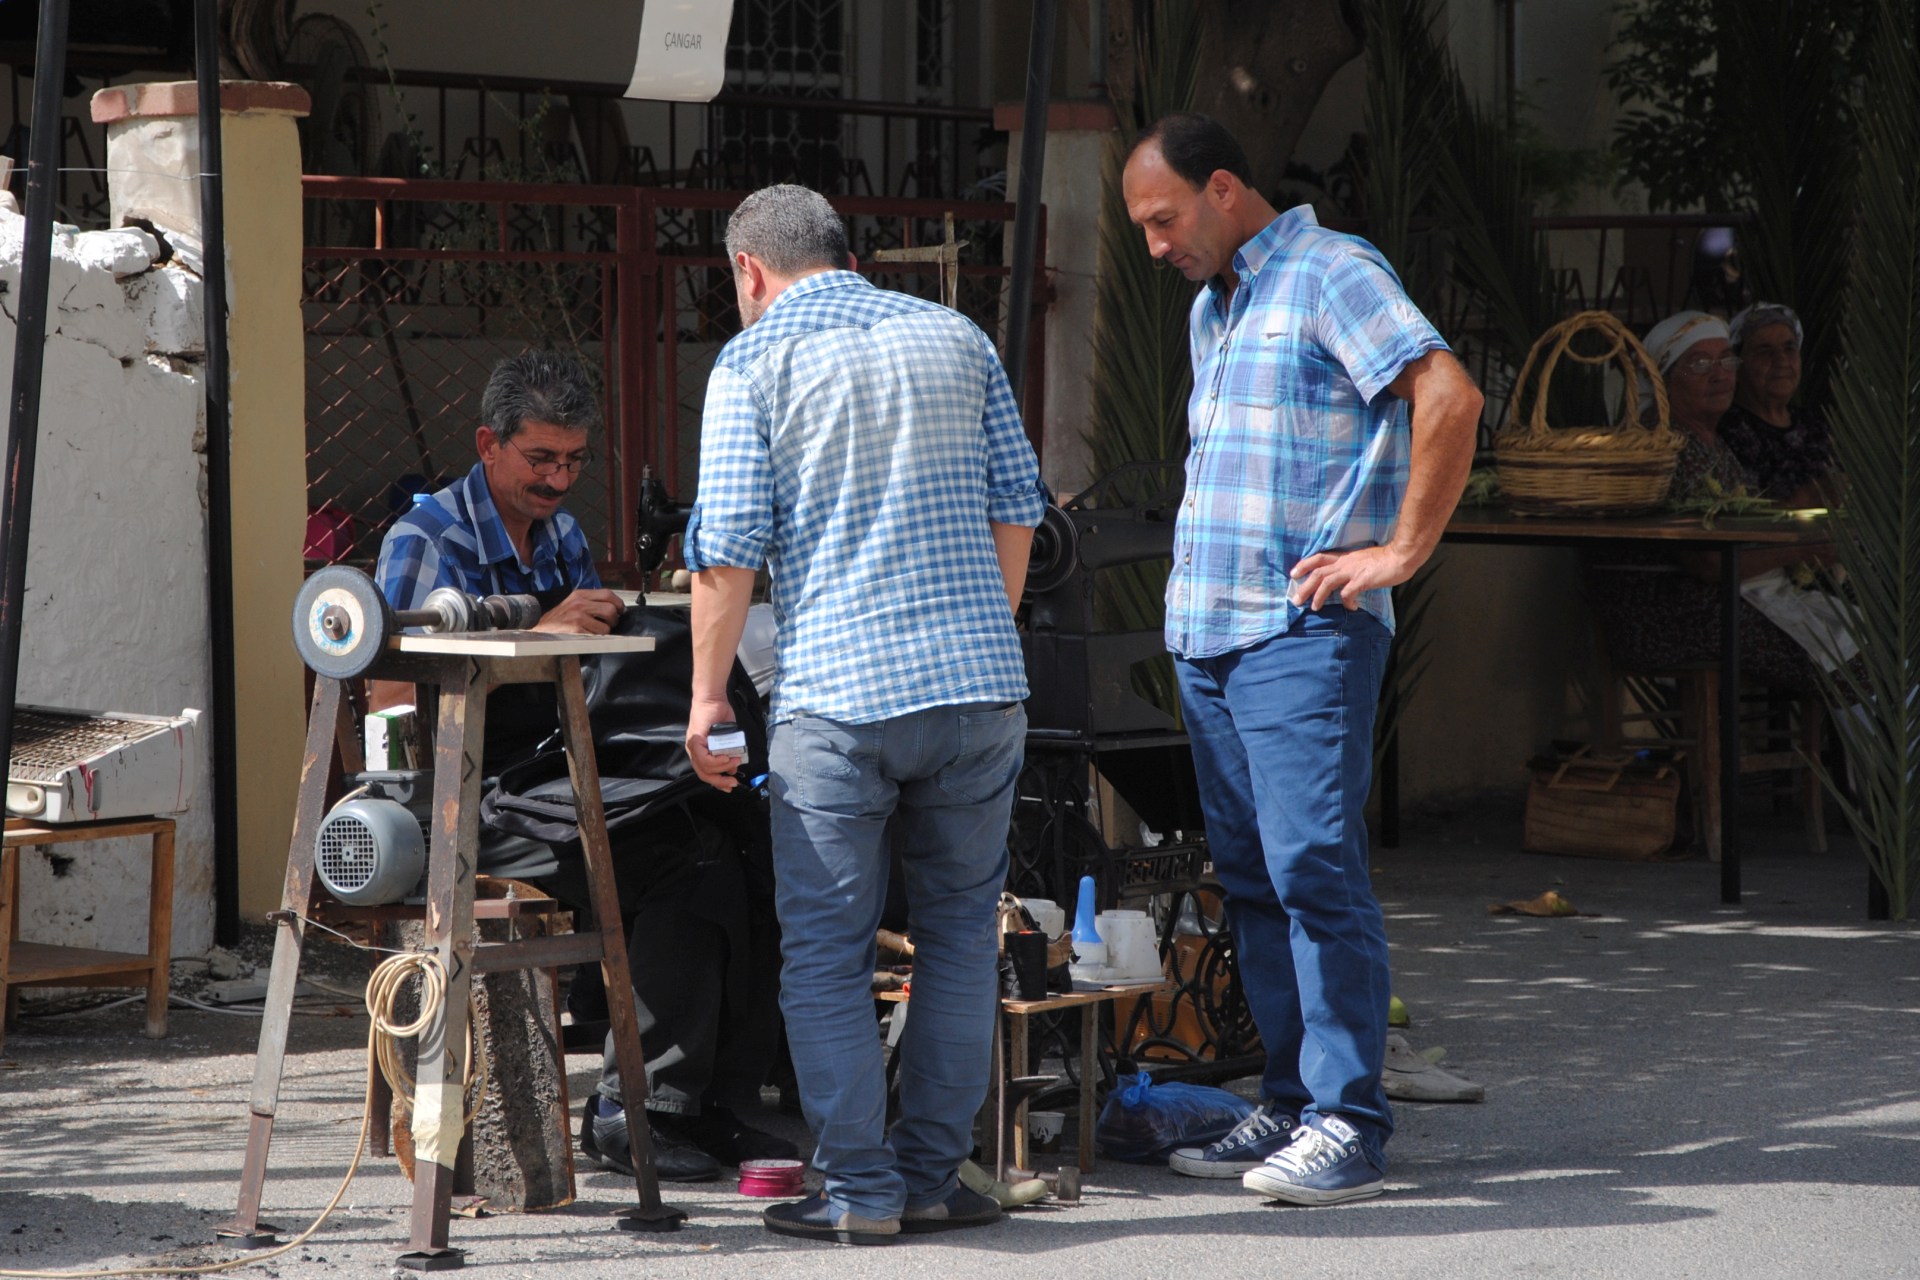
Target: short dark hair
<point x="1194" y="146"/>
<point x="539" y="386"/>
<point x="790" y="228"/>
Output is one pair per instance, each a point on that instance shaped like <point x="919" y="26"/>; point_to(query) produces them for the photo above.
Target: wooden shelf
<point x="37" y="963"/>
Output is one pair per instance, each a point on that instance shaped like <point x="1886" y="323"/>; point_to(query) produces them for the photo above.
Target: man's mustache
<point x="541" y="491"/>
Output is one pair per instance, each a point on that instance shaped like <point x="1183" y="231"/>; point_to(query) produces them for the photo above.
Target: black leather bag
<point x="637" y="704"/>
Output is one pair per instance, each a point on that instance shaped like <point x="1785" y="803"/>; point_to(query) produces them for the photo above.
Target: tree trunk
<point x="1263" y="66"/>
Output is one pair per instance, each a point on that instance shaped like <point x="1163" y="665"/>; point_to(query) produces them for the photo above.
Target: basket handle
<point x="1622" y="347"/>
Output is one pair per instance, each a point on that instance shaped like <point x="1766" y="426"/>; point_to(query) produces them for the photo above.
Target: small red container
<point x="772" y="1178"/>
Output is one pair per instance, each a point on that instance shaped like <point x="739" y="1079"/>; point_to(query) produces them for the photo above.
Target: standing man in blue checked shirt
<point x="864" y="446"/>
<point x="1331" y="434"/>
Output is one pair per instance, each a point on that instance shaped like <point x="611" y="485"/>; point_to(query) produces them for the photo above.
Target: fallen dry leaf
<point x="1547" y="904"/>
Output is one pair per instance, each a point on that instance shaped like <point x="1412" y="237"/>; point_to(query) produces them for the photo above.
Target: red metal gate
<point x="414" y="289"/>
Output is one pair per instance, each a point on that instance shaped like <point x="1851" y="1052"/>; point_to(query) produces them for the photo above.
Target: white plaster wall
<point x="115" y="617"/>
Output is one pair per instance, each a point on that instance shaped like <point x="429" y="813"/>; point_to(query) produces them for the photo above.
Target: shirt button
<point x="1187" y="558"/>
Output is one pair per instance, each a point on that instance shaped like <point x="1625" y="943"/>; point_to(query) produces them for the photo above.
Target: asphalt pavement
<point x="1674" y="1088"/>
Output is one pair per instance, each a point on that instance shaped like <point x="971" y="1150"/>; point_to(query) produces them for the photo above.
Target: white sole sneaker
<point x="1191" y="1161"/>
<point x="1269" y="1182"/>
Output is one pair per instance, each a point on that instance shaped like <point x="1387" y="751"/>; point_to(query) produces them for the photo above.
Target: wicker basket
<point x="1589" y="471"/>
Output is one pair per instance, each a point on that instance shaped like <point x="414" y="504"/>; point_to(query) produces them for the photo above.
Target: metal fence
<point x="413" y="290"/>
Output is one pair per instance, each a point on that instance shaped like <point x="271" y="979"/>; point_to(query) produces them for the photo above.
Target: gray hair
<point x="539" y="386"/>
<point x="792" y="229"/>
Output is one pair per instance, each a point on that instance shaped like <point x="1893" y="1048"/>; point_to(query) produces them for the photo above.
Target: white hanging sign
<point x="683" y="50"/>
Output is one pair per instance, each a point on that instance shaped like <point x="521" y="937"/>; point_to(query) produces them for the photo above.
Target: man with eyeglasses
<point x="502" y="530"/>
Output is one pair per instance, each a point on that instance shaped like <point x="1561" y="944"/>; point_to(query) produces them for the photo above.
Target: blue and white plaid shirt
<point x="857" y="442"/>
<point x="1296" y="445"/>
<point x="455" y="539"/>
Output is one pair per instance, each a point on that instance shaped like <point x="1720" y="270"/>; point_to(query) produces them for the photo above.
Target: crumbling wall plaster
<point x="115" y="616"/>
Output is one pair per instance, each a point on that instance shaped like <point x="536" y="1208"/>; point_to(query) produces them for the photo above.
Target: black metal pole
<point x="30" y="343"/>
<point x="213" y="276"/>
<point x="1026" y="213"/>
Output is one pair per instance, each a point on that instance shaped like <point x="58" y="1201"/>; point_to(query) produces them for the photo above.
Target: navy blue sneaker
<point x="1322" y="1165"/>
<point x="815" y="1219"/>
<point x="1260" y="1135"/>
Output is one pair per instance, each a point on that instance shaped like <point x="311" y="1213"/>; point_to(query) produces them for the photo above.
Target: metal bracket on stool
<point x="432" y="1260"/>
<point x="658" y="1218"/>
<point x="263" y="1235"/>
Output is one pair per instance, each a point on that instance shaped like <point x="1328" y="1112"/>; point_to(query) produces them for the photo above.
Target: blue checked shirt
<point x="455" y="539"/>
<point x="1296" y="445"/>
<point x="858" y="442"/>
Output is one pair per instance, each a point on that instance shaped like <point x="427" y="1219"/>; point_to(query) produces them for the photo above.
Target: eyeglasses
<point x="1701" y="366"/>
<point x="544" y="464"/>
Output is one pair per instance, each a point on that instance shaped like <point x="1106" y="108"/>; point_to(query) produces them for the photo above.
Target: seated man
<point x="501" y="529"/>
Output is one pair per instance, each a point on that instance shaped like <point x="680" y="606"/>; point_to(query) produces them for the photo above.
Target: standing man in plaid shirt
<point x="864" y="446"/>
<point x="1331" y="434"/>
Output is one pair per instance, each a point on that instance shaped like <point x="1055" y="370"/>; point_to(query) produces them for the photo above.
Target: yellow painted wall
<point x="267" y="364"/>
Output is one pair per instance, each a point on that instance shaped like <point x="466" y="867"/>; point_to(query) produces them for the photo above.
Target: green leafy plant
<point x="1748" y="106"/>
<point x="1876" y="419"/>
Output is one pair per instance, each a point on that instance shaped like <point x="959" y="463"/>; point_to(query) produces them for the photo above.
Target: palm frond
<point x="1784" y="82"/>
<point x="1876" y="419"/>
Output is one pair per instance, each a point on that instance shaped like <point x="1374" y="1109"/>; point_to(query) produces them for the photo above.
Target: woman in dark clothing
<point x="1790" y="445"/>
<point x="1659" y="610"/>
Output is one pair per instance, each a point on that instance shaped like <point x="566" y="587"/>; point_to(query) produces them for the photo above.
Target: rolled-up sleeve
<point x="732" y="519"/>
<point x="1014" y="493"/>
<point x="1369" y="324"/>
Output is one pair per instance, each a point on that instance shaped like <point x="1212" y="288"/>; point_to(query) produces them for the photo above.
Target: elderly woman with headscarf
<point x="1661" y="611"/>
<point x="1694" y="355"/>
<point x="1789" y="448"/>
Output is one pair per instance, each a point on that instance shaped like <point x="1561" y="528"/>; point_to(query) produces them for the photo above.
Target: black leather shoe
<point x="815" y="1219"/>
<point x="603" y="1140"/>
<point x="963" y="1207"/>
<point x="724" y="1136"/>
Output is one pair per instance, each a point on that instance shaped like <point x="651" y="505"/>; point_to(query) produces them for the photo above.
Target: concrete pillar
<point x="153" y="158"/>
<point x="1077" y="135"/>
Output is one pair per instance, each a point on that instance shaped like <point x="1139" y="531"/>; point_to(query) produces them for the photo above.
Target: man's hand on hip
<point x="1319" y="577"/>
<point x="715" y="771"/>
<point x="591" y="611"/>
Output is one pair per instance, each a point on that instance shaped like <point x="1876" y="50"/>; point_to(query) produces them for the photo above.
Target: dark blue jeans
<point x="942" y="781"/>
<point x="1282" y="736"/>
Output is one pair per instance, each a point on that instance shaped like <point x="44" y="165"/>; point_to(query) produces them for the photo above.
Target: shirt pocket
<point x="1259" y="370"/>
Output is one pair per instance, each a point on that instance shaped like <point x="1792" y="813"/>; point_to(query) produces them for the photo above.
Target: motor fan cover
<point x="370" y="852"/>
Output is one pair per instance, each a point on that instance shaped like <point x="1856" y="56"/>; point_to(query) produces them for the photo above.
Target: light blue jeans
<point x="1282" y="736"/>
<point x="944" y="779"/>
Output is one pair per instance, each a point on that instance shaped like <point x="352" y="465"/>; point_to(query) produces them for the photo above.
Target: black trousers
<point x="703" y="950"/>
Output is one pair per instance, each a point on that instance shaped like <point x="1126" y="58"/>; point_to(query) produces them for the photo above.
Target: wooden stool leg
<point x="1018" y="1139"/>
<point x="296" y="901"/>
<point x="160" y="931"/>
<point x="442" y="1070"/>
<point x="649" y="1214"/>
<point x="1704" y="688"/>
<point x="9" y="897"/>
<point x="1814" y="792"/>
<point x="1089" y="1079"/>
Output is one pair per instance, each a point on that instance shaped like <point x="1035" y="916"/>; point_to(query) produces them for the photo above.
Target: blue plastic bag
<point x="1143" y="1122"/>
